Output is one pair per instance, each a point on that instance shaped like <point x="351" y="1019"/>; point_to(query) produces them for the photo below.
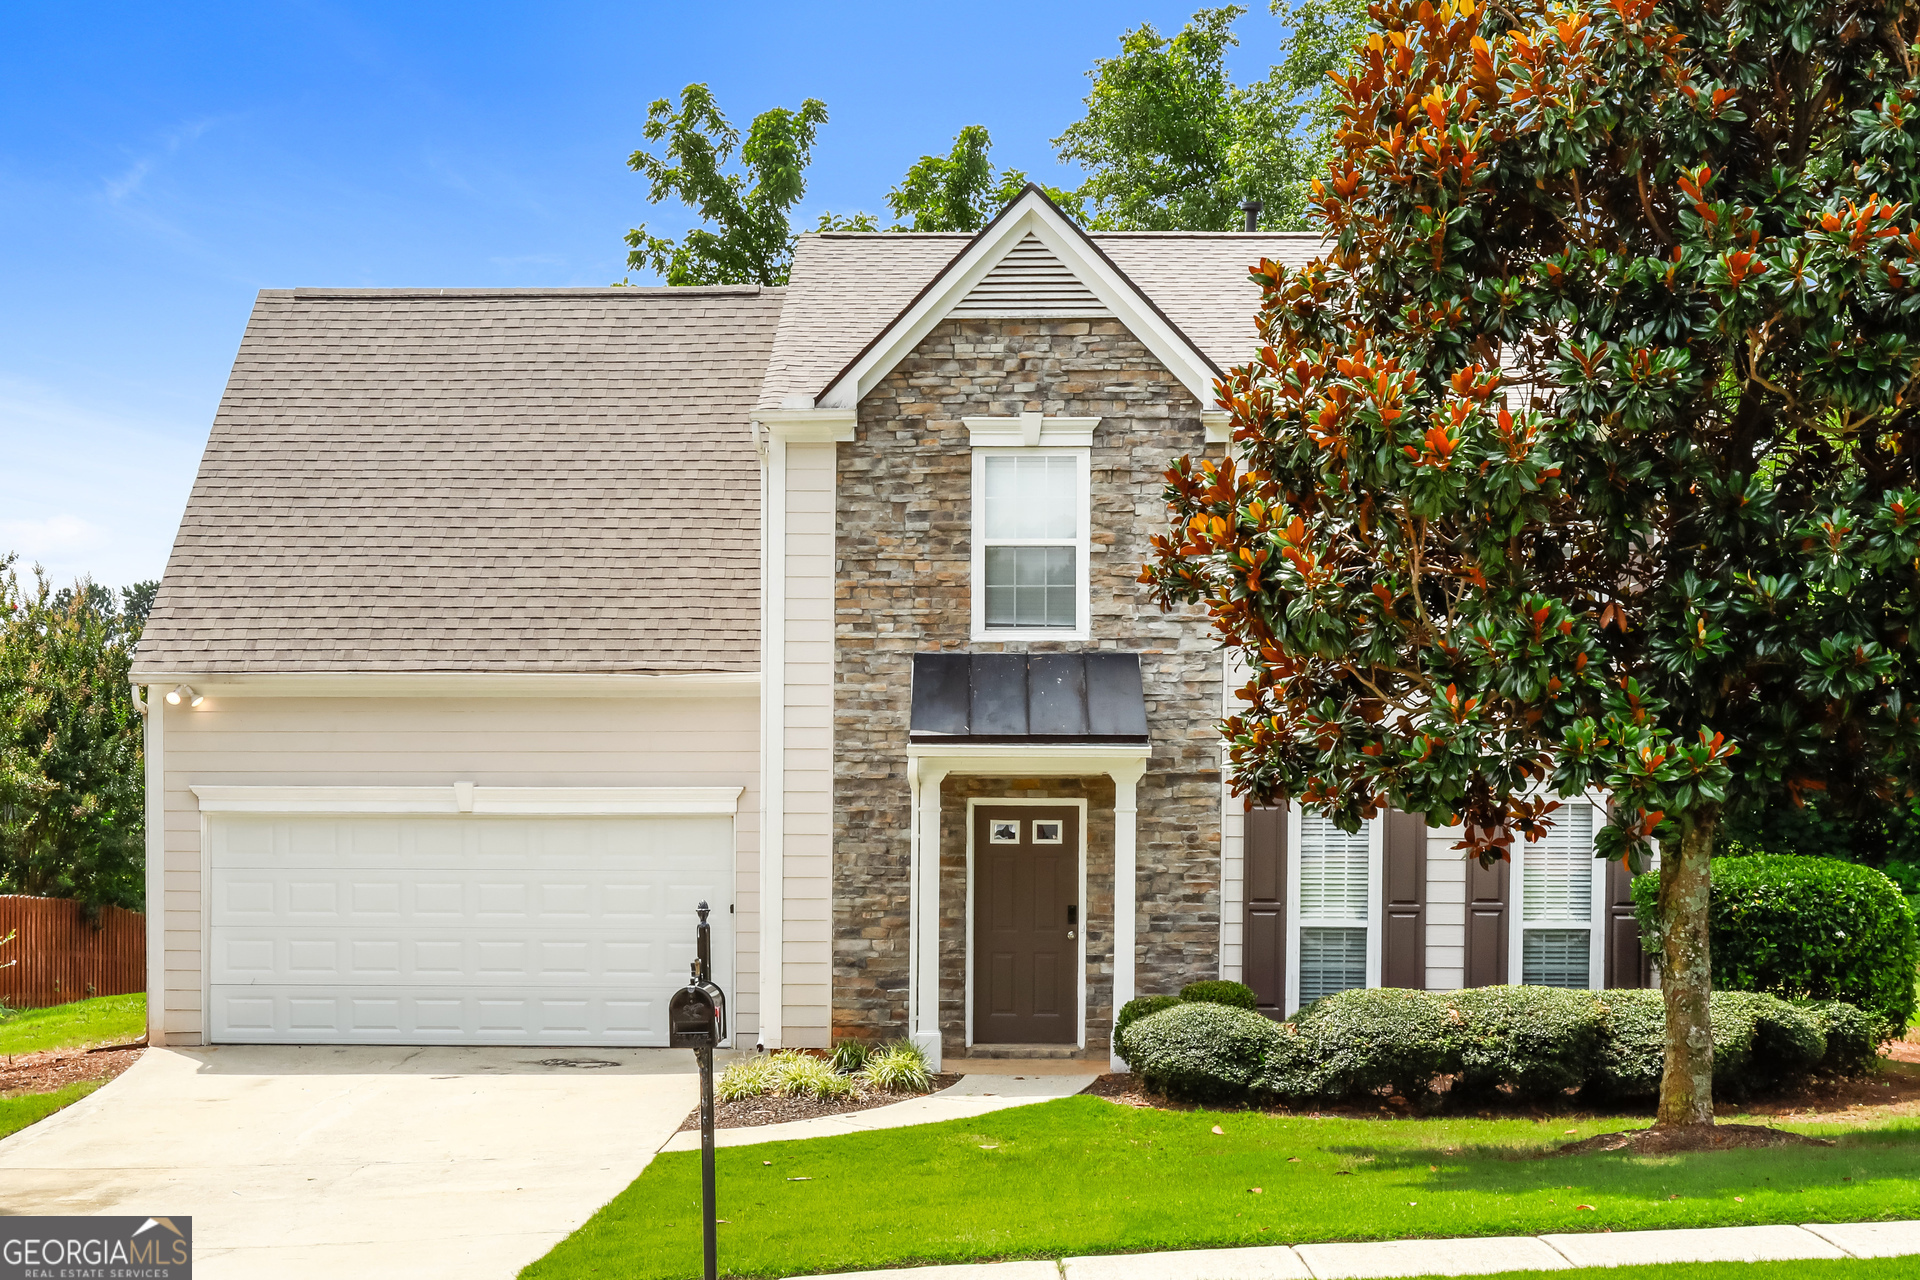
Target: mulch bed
<point x="56" y="1068"/>
<point x="1661" y="1142"/>
<point x="748" y="1113"/>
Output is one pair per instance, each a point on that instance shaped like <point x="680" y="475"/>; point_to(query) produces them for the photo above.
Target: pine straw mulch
<point x="748" y="1113"/>
<point x="52" y="1069"/>
<point x="1891" y="1093"/>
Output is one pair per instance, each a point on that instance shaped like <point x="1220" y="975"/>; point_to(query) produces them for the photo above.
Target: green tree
<point x="961" y="191"/>
<point x="751" y="239"/>
<point x="72" y="790"/>
<point x="1586" y="455"/>
<point x="1171" y="143"/>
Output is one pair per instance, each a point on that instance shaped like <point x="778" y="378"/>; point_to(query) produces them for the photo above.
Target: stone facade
<point x="902" y="585"/>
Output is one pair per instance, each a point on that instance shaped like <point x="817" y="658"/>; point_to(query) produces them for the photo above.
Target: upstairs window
<point x="1557" y="922"/>
<point x="1030" y="543"/>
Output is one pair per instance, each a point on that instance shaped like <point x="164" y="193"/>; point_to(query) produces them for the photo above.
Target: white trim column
<point x="1126" y="781"/>
<point x="773" y="732"/>
<point x="156" y="869"/>
<point x="923" y="882"/>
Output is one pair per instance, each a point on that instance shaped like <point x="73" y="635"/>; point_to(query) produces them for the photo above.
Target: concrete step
<point x="1034" y="1051"/>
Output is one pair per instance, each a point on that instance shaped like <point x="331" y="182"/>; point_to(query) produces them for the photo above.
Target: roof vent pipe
<point x="1252" y="209"/>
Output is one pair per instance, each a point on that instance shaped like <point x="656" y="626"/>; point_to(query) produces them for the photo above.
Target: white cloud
<point x="87" y="491"/>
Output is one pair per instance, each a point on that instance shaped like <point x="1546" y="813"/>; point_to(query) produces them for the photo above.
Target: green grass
<point x="18" y="1112"/>
<point x="1081" y="1176"/>
<point x="101" y="1020"/>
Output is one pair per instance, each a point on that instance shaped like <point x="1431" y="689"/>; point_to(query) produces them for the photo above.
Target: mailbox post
<point x="697" y="1020"/>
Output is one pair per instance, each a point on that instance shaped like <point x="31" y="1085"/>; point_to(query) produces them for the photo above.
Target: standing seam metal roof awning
<point x="1027" y="698"/>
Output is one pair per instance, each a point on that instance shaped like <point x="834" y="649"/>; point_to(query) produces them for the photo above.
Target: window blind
<point x="1331" y="960"/>
<point x="1333" y="871"/>
<point x="1556" y="883"/>
<point x="1554" y="958"/>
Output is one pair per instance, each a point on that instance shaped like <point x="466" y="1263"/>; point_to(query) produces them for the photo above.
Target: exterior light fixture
<point x="184" y="691"/>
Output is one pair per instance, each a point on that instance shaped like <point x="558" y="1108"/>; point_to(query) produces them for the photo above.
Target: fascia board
<point x="466" y="798"/>
<point x="461" y="684"/>
<point x="807" y="426"/>
<point x="1038" y="217"/>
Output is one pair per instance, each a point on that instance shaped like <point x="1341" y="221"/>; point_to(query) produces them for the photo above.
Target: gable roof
<point x="848" y="290"/>
<point x="477" y="480"/>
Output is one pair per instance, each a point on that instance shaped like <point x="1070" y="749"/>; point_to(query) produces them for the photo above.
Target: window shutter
<point x="1627" y="964"/>
<point x="1403" y="914"/>
<point x="1264" y="950"/>
<point x="1487" y="922"/>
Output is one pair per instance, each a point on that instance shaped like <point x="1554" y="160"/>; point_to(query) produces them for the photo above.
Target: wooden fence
<point x="60" y="956"/>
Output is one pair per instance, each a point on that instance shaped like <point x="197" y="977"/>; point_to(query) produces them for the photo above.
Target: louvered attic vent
<point x="1031" y="281"/>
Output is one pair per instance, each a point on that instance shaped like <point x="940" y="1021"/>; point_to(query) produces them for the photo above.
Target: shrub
<point x="1131" y="1012"/>
<point x="1202" y="1052"/>
<point x="1633" y="1042"/>
<point x="1853" y="1037"/>
<point x="850" y="1056"/>
<point x="900" y="1067"/>
<point x="800" y="1075"/>
<point x="1366" y="1039"/>
<point x="745" y="1078"/>
<point x="1813" y="928"/>
<point x="1789" y="1041"/>
<point x="1235" y="994"/>
<point x="1539" y="1041"/>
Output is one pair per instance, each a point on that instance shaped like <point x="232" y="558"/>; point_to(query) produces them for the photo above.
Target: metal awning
<point x="1028" y="698"/>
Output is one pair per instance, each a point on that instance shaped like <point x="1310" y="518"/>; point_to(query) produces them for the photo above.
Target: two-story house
<point x="504" y="626"/>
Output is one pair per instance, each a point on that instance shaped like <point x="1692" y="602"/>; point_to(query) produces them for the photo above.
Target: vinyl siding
<point x="1446" y="910"/>
<point x="573" y="742"/>
<point x="807" y="752"/>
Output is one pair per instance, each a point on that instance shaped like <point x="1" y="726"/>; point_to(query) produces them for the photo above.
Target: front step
<point x="1065" y="1052"/>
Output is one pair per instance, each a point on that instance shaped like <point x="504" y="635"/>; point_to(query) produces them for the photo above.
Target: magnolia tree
<point x="1585" y="454"/>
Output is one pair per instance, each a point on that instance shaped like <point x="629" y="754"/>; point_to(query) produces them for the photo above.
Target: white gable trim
<point x="1031" y="214"/>
<point x="806" y="426"/>
<point x="1030" y="431"/>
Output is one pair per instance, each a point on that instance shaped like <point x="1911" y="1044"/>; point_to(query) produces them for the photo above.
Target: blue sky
<point x="157" y="168"/>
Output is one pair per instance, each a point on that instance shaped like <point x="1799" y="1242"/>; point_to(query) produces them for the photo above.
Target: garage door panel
<point x="429" y="1016"/>
<point x="488" y="930"/>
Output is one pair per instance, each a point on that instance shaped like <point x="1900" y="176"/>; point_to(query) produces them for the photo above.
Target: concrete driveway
<point x="330" y="1162"/>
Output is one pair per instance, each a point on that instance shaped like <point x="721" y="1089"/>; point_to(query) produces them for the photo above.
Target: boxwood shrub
<point x="1202" y="1052"/>
<point x="1538" y="1041"/>
<point x="1237" y="994"/>
<point x="1813" y="928"/>
<point x="1366" y="1039"/>
<point x="1853" y="1036"/>
<point x="1131" y="1012"/>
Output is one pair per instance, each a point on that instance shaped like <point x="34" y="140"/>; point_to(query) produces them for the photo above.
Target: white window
<point x="1559" y="918"/>
<point x="1030" y="544"/>
<point x="1334" y="882"/>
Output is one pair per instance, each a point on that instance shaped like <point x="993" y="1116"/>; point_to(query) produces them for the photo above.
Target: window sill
<point x="988" y="635"/>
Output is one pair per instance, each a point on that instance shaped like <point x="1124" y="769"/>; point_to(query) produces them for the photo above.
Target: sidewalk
<point x="975" y="1095"/>
<point x="1460" y="1257"/>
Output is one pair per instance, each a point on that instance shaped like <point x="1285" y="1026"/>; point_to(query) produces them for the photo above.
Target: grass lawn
<point x="18" y="1112"/>
<point x="1081" y="1176"/>
<point x="101" y="1020"/>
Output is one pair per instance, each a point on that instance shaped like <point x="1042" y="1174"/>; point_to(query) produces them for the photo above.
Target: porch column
<point x="923" y="910"/>
<point x="1126" y="777"/>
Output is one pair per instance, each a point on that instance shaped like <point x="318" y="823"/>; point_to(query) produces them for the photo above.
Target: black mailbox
<point x="697" y="1017"/>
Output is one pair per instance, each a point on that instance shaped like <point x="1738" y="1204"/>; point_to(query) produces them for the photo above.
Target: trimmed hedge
<point x="1533" y="1042"/>
<point x="1812" y="928"/>
<point x="1131" y="1012"/>
<point x="1215" y="991"/>
<point x="1201" y="1051"/>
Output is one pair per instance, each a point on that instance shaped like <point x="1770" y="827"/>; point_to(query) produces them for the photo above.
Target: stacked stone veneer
<point x="902" y="585"/>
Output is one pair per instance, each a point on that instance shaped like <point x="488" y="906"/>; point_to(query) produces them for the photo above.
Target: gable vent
<point x="1031" y="281"/>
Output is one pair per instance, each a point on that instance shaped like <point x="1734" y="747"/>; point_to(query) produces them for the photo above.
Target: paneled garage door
<point x="459" y="929"/>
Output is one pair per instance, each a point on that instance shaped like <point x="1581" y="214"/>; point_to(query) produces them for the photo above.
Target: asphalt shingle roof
<point x="477" y="480"/>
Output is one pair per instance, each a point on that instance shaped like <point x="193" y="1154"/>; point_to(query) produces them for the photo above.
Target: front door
<point x="1026" y="931"/>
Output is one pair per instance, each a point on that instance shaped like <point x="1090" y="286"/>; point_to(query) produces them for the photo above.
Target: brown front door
<point x="1026" y="924"/>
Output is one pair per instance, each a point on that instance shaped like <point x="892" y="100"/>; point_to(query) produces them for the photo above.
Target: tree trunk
<point x="1686" y="972"/>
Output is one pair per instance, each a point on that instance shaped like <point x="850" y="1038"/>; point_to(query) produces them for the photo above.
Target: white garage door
<point x="460" y="929"/>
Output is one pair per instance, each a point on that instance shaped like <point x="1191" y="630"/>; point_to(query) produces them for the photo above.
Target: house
<point x="505" y="626"/>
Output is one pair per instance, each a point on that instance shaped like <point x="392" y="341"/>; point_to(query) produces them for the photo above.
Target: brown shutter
<point x="1627" y="964"/>
<point x="1487" y="895"/>
<point x="1403" y="942"/>
<point x="1264" y="951"/>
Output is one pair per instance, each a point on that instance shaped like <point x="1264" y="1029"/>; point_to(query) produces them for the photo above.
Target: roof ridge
<point x="534" y="291"/>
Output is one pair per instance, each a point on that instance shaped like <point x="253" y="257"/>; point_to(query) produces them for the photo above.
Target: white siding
<point x="570" y="741"/>
<point x="1446" y="910"/>
<point x="807" y="754"/>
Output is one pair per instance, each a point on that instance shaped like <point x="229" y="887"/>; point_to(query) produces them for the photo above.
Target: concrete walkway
<point x="305" y="1163"/>
<point x="1464" y="1257"/>
<point x="973" y="1095"/>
